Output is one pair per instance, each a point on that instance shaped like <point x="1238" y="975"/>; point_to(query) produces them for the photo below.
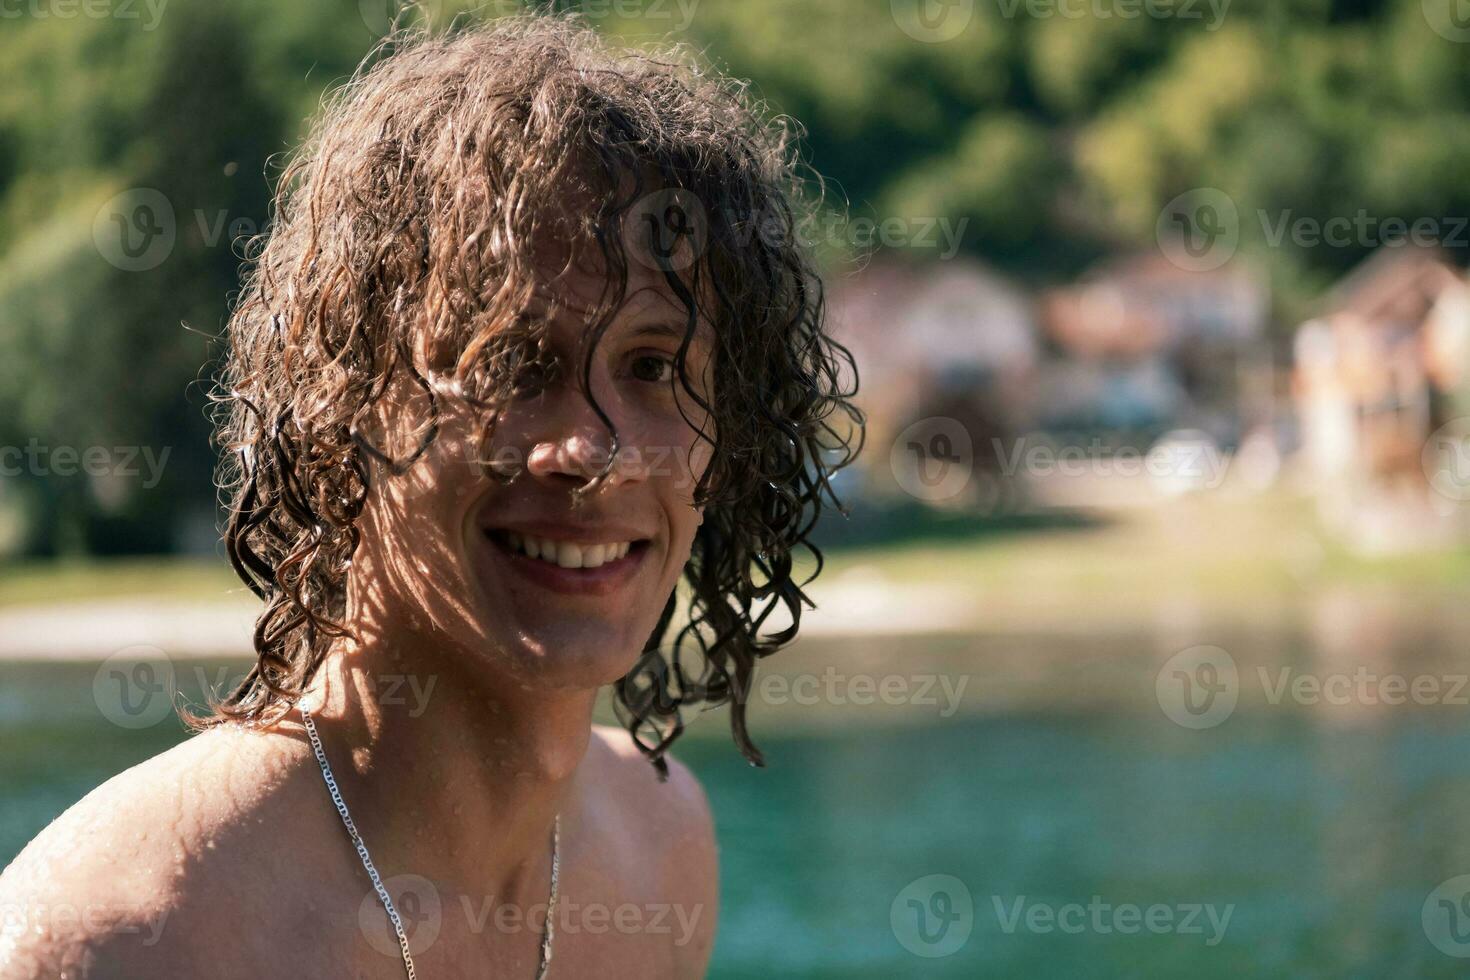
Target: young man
<point x="532" y="342"/>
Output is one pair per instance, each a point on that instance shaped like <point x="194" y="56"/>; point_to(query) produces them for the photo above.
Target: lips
<point x="569" y="567"/>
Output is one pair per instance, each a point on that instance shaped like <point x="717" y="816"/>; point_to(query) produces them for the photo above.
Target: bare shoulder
<point x="103" y="888"/>
<point x="667" y="825"/>
<point x="681" y="795"/>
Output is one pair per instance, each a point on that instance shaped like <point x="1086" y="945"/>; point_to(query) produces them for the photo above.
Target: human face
<point x="453" y="546"/>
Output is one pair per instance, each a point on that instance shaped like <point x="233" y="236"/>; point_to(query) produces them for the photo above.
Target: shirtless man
<point x="532" y="342"/>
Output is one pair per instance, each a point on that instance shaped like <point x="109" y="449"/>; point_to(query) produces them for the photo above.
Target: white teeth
<point x="569" y="555"/>
<point x="566" y="553"/>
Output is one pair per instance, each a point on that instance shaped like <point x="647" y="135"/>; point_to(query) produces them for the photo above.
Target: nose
<point x="576" y="444"/>
<point x="579" y="455"/>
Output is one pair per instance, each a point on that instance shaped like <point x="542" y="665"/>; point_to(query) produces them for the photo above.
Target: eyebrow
<point x="664" y="328"/>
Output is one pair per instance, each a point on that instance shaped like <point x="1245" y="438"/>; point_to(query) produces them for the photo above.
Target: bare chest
<point x="453" y="932"/>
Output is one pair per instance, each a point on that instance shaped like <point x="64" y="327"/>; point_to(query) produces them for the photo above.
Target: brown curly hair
<point x="402" y="248"/>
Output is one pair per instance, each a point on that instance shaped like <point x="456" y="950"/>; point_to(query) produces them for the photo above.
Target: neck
<point x="449" y="772"/>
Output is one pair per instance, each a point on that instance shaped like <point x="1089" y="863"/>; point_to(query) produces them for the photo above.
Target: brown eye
<point x="653" y="368"/>
<point x="531" y="373"/>
<point x="532" y="377"/>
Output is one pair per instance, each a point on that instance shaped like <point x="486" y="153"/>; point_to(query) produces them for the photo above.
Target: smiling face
<point x="563" y="590"/>
<point x="407" y="222"/>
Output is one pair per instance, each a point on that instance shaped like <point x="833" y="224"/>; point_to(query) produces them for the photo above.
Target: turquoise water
<point x="1056" y="795"/>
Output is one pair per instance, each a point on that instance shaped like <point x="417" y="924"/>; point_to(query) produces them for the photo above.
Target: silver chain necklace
<point x="543" y="959"/>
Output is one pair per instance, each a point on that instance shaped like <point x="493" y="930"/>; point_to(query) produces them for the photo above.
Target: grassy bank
<point x="72" y="580"/>
<point x="1214" y="549"/>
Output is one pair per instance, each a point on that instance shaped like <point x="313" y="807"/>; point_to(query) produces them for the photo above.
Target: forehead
<point x="573" y="286"/>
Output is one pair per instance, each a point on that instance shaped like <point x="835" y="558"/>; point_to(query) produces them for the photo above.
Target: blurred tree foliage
<point x="1055" y="129"/>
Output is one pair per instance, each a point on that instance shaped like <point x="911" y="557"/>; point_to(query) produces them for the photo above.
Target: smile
<point x="568" y="554"/>
<point x="570" y="567"/>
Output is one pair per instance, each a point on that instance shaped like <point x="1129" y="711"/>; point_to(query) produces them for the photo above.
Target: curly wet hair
<point x="402" y="248"/>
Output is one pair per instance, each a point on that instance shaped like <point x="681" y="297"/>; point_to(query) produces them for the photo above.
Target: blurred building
<point x="1144" y="346"/>
<point x="954" y="339"/>
<point x="1137" y="349"/>
<point x="1383" y="365"/>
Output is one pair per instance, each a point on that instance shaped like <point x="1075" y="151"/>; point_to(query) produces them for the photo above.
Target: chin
<point x="565" y="654"/>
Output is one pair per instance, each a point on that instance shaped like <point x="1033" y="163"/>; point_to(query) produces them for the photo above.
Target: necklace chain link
<point x="544" y="956"/>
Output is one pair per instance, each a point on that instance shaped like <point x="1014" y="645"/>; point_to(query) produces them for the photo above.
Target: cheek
<point x="420" y="513"/>
<point x="413" y="550"/>
<point x="677" y="457"/>
<point x="683" y="517"/>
